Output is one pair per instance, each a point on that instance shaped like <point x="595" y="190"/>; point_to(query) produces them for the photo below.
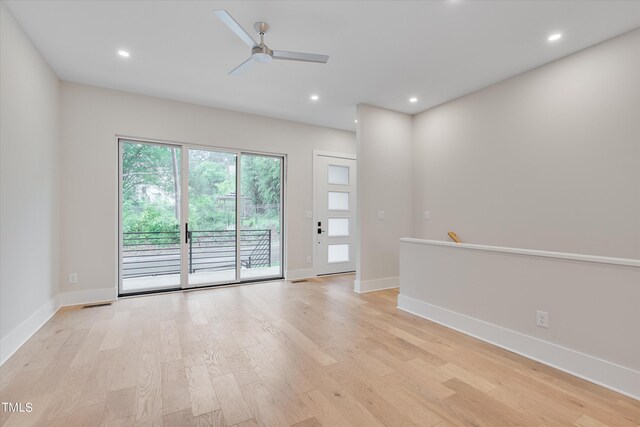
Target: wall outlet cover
<point x="542" y="319"/>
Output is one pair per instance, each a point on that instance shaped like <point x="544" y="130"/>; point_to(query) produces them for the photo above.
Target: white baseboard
<point x="16" y="338"/>
<point x="606" y="374"/>
<point x="87" y="296"/>
<point x="299" y="274"/>
<point x="364" y="286"/>
<point x="25" y="330"/>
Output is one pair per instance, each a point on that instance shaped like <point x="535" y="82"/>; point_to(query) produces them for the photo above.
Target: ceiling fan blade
<point x="235" y="27"/>
<point x="241" y="68"/>
<point x="299" y="56"/>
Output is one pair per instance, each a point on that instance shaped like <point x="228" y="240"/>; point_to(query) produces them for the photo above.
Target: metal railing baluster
<point x="157" y="253"/>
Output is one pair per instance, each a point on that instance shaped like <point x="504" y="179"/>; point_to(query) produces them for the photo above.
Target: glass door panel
<point x="183" y="223"/>
<point x="261" y="216"/>
<point x="150" y="200"/>
<point x="211" y="222"/>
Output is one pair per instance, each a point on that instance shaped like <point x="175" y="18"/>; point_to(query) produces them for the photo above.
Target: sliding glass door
<point x="261" y="216"/>
<point x="211" y="221"/>
<point x="197" y="217"/>
<point x="150" y="216"/>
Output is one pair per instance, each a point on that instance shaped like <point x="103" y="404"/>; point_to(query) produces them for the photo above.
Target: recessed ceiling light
<point x="554" y="37"/>
<point x="314" y="97"/>
<point x="355" y="121"/>
<point x="124" y="53"/>
<point x="413" y="99"/>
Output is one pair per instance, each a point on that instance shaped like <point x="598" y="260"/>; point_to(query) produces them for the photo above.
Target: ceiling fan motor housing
<point x="262" y="53"/>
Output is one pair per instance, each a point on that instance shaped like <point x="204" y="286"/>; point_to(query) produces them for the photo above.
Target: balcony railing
<point x="157" y="253"/>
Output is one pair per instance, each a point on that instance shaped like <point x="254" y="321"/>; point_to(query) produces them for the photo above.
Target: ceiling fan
<point x="260" y="52"/>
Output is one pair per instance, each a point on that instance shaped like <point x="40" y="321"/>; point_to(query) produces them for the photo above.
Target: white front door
<point x="335" y="214"/>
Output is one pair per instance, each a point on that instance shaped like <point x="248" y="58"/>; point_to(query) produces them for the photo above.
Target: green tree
<point x="150" y="165"/>
<point x="151" y="189"/>
<point x="261" y="179"/>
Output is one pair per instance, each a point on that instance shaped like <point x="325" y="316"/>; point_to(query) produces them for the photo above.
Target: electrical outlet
<point x="308" y="260"/>
<point x="380" y="214"/>
<point x="73" y="277"/>
<point x="308" y="214"/>
<point x="427" y="215"/>
<point x="542" y="319"/>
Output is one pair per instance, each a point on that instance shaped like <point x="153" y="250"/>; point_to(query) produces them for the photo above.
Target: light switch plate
<point x="427" y="215"/>
<point x="308" y="214"/>
<point x="380" y="214"/>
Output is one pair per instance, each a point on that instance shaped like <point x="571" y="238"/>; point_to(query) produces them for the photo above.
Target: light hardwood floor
<point x="285" y="354"/>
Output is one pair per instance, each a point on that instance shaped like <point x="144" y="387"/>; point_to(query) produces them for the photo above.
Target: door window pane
<point x="338" y="201"/>
<point x="212" y="217"/>
<point x="338" y="175"/>
<point x="150" y="195"/>
<point x="261" y="211"/>
<point x="338" y="227"/>
<point x="338" y="253"/>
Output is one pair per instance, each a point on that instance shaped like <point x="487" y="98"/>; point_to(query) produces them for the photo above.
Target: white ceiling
<point x="381" y="52"/>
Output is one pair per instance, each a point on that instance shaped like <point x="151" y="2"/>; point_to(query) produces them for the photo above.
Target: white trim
<point x="306" y="273"/>
<point x="314" y="213"/>
<point x="606" y="374"/>
<point x="197" y="146"/>
<point x="532" y="252"/>
<point x="334" y="154"/>
<point x="87" y="296"/>
<point x="364" y="286"/>
<point x="119" y="243"/>
<point x="25" y="330"/>
<point x="284" y="228"/>
<point x="238" y="236"/>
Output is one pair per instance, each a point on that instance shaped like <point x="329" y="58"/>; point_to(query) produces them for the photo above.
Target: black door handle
<point x="186" y="232"/>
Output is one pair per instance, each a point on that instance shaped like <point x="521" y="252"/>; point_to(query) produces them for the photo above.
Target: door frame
<point x="184" y="209"/>
<point x="314" y="169"/>
<point x="119" y="231"/>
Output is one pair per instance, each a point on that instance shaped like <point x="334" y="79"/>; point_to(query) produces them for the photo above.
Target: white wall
<point x="384" y="184"/>
<point x="91" y="118"/>
<point x="547" y="160"/>
<point x="593" y="308"/>
<point x="29" y="146"/>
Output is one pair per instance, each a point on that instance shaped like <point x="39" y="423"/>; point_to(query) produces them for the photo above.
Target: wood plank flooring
<point x="284" y="354"/>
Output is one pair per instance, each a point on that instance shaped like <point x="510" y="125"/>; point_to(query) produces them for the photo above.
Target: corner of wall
<point x="385" y="203"/>
<point x="12" y="342"/>
<point x="30" y="124"/>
